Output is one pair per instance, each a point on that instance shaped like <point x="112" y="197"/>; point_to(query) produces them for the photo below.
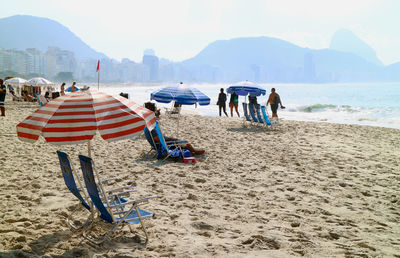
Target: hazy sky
<point x="179" y="29"/>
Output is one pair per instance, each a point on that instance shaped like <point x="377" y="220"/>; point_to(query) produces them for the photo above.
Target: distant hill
<point x="392" y="72"/>
<point x="24" y="31"/>
<point x="347" y="41"/>
<point x="272" y="59"/>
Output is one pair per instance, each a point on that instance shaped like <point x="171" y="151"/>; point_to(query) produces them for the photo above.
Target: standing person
<point x="47" y="96"/>
<point x="2" y="97"/>
<point x="274" y="100"/>
<point x="233" y="102"/>
<point x="62" y="91"/>
<point x="253" y="100"/>
<point x="222" y="102"/>
<point x="73" y="89"/>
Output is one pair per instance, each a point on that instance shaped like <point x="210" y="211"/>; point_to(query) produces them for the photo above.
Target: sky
<point x="180" y="29"/>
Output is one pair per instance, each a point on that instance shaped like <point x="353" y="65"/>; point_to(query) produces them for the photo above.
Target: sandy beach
<point x="300" y="189"/>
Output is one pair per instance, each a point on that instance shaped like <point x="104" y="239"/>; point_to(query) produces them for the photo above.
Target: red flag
<point x="98" y="66"/>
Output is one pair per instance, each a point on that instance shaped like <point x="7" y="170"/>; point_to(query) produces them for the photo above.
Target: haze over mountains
<point x="345" y="40"/>
<point x="262" y="59"/>
<point x="24" y="31"/>
<point x="272" y="59"/>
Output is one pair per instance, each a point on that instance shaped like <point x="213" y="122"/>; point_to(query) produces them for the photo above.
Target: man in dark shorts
<point x="222" y="102"/>
<point x="274" y="100"/>
<point x="2" y="97"/>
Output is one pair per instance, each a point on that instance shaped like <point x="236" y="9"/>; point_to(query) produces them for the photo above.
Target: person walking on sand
<point x="62" y="91"/>
<point x="233" y="102"/>
<point x="274" y="100"/>
<point x="222" y="102"/>
<point x="73" y="89"/>
<point x="2" y="97"/>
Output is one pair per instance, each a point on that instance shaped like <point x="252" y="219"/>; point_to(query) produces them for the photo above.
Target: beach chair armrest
<point x="108" y="180"/>
<point x="124" y="194"/>
<point x="119" y="189"/>
<point x="145" y="199"/>
<point x="175" y="142"/>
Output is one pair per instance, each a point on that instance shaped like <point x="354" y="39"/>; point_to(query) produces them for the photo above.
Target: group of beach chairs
<point x="258" y="115"/>
<point x="109" y="206"/>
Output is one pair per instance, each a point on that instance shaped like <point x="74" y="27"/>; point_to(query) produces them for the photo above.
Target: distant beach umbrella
<point x="75" y="118"/>
<point x="69" y="89"/>
<point x="39" y="81"/>
<point x="246" y="88"/>
<point x="15" y="81"/>
<point x="181" y="94"/>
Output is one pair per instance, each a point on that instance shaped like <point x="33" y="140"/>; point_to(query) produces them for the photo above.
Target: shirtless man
<point x="274" y="100"/>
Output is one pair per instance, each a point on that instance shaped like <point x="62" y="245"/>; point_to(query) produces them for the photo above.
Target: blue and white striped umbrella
<point x="181" y="94"/>
<point x="246" y="88"/>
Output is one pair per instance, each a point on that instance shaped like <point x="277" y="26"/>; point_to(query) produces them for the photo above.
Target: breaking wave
<point x="344" y="114"/>
<point x="324" y="107"/>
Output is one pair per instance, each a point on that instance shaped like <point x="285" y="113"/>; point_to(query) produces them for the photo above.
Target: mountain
<point x="24" y="31"/>
<point x="347" y="41"/>
<point x="392" y="72"/>
<point x="271" y="59"/>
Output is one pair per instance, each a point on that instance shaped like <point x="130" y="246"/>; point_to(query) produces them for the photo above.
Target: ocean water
<point x="375" y="104"/>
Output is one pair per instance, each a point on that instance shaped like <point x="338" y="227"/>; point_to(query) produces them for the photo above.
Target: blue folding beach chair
<point x="150" y="139"/>
<point x="170" y="149"/>
<point x="265" y="115"/>
<point x="112" y="208"/>
<point x="68" y="175"/>
<point x="42" y="100"/>
<point x="258" y="111"/>
<point x="251" y="110"/>
<point x="246" y="114"/>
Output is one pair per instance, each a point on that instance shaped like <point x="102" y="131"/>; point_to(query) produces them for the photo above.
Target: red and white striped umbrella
<point x="75" y="118"/>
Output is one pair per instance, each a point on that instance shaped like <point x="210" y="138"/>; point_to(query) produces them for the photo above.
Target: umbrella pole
<point x="88" y="147"/>
<point x="177" y="127"/>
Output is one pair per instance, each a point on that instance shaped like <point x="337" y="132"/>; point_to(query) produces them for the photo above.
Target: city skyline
<point x="178" y="30"/>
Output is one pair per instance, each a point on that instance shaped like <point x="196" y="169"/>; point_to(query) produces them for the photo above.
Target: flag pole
<point x="98" y="74"/>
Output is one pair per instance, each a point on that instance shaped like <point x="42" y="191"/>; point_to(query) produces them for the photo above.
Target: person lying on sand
<point x="27" y="97"/>
<point x="15" y="97"/>
<point x="184" y="144"/>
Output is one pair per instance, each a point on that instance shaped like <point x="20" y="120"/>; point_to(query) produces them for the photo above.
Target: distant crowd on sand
<point x="274" y="100"/>
<point x="31" y="95"/>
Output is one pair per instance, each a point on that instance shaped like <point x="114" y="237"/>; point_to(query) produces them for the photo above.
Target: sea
<point x="373" y="104"/>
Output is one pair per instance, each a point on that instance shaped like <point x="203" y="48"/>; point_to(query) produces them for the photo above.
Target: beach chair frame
<point x="150" y="139"/>
<point x="251" y="111"/>
<point x="69" y="175"/>
<point x="164" y="147"/>
<point x="246" y="114"/>
<point x="262" y="118"/>
<point x="111" y="207"/>
<point x="265" y="114"/>
<point x="259" y="117"/>
<point x="15" y="98"/>
<point x="174" y="110"/>
<point x="41" y="99"/>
